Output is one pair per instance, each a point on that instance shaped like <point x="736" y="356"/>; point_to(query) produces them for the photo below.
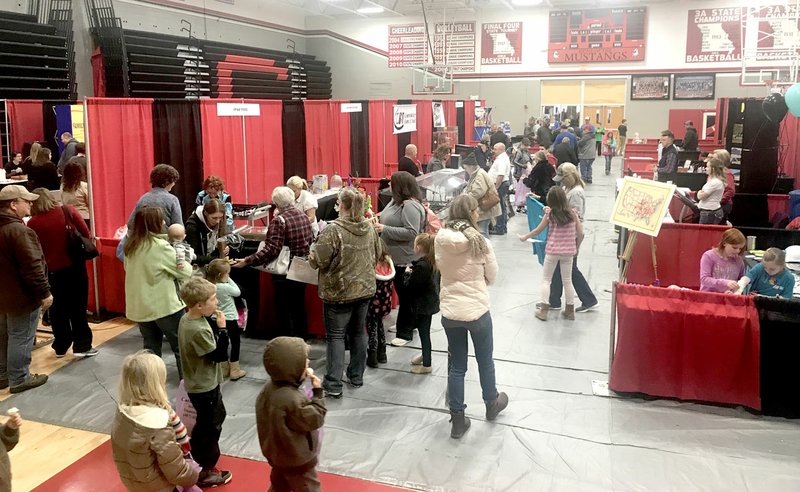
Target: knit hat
<point x="469" y="160"/>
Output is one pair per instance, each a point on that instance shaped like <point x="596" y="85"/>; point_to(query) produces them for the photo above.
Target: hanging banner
<point x="405" y="118"/>
<point x="438" y="115"/>
<point x="408" y="46"/>
<point x="501" y="43"/>
<point x="76" y="111"/>
<point x="235" y="109"/>
<point x="454" y="44"/>
<point x="714" y="35"/>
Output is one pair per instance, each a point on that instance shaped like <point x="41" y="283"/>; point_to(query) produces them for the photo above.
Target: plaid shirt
<point x="290" y="227"/>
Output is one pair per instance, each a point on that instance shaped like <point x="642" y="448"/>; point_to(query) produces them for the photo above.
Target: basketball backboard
<point x="432" y="79"/>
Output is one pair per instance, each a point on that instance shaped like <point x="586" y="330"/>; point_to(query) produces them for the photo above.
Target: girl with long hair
<point x="422" y="280"/>
<point x="710" y="195"/>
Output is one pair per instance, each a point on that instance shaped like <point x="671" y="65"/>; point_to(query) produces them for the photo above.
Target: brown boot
<point x="569" y="311"/>
<point x="542" y="310"/>
<point x="236" y="371"/>
<point x="226" y="369"/>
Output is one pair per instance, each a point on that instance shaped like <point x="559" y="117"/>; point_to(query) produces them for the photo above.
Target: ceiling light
<point x="526" y="3"/>
<point x="370" y="10"/>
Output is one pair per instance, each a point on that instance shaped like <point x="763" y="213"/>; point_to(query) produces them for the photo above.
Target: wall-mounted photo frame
<point x="653" y="86"/>
<point x="694" y="86"/>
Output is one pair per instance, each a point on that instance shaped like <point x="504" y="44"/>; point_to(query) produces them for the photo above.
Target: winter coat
<point x="8" y="440"/>
<point x="540" y="180"/>
<point x="345" y="254"/>
<point x="690" y="140"/>
<point x="150" y="275"/>
<point x="24" y="272"/>
<point x="544" y="137"/>
<point x="587" y="149"/>
<point x="477" y="186"/>
<point x="465" y="278"/>
<point x="423" y="287"/>
<point x="146" y="453"/>
<point x="287" y="421"/>
<point x="565" y="153"/>
<point x="401" y="225"/>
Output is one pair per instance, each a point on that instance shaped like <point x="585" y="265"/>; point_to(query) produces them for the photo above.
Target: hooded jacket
<point x="22" y="262"/>
<point x="465" y="278"/>
<point x="147" y="456"/>
<point x="345" y="253"/>
<point x="8" y="440"/>
<point x="197" y="232"/>
<point x="587" y="149"/>
<point x="287" y="421"/>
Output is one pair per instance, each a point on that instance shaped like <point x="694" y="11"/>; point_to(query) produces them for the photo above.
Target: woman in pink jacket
<point x="468" y="266"/>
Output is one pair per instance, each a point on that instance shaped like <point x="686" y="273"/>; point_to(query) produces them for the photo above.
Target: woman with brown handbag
<point x="481" y="188"/>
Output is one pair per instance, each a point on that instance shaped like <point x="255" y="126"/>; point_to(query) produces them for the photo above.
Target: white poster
<point x="351" y="107"/>
<point x="438" y="115"/>
<point x="405" y="118"/>
<point x="237" y="109"/>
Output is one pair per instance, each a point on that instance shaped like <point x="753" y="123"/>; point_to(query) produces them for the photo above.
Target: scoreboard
<point x="597" y="35"/>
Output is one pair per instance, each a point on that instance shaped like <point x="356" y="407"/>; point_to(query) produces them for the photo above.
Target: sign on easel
<point x="641" y="205"/>
<point x="238" y="109"/>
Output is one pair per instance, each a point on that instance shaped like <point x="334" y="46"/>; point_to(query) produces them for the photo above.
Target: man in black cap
<point x="26" y="290"/>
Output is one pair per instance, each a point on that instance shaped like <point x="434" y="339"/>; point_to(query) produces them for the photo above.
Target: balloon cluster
<point x="775" y="106"/>
<point x="792" y="99"/>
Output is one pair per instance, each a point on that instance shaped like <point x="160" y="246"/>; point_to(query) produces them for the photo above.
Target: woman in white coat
<point x="468" y="266"/>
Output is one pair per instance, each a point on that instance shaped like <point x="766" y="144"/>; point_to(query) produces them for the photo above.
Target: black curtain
<point x="403" y="139"/>
<point x="359" y="141"/>
<point x="460" y="122"/>
<point x="50" y="125"/>
<point x="779" y="321"/>
<point x="177" y="141"/>
<point x="294" y="140"/>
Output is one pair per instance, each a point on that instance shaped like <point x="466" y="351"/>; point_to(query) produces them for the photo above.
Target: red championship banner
<point x="407" y="46"/>
<point x="454" y="44"/>
<point x="714" y="35"/>
<point x="501" y="43"/>
<point x="597" y="35"/>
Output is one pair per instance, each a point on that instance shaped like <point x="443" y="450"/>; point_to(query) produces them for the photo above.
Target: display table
<point x="687" y="344"/>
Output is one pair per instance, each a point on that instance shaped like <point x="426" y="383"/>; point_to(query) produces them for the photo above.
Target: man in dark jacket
<point x="544" y="137"/>
<point x="690" y="140"/>
<point x="408" y="162"/>
<point x="288" y="421"/>
<point x="69" y="151"/>
<point x="564" y="152"/>
<point x="499" y="136"/>
<point x="587" y="152"/>
<point x="483" y="153"/>
<point x="25" y="290"/>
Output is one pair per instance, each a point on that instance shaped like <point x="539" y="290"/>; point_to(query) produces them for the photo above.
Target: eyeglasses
<point x="24" y="201"/>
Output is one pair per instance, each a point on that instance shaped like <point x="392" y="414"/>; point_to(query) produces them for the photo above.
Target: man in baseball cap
<point x="26" y="290"/>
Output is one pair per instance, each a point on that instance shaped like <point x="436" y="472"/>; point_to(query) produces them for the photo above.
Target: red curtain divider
<point x="264" y="149"/>
<point x="382" y="142"/>
<point x="120" y="158"/>
<point x="689" y="345"/>
<point x="327" y="138"/>
<point x="26" y="120"/>
<point x="450" y="115"/>
<point x="98" y="73"/>
<point x="789" y="150"/>
<point x="423" y="137"/>
<point x="469" y="122"/>
<point x="223" y="147"/>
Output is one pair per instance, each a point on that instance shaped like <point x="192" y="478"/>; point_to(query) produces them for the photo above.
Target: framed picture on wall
<point x="694" y="86"/>
<point x="653" y="86"/>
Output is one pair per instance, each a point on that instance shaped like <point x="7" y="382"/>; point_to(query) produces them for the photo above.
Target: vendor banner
<point x="501" y="43"/>
<point x="405" y="118"/>
<point x="438" y="115"/>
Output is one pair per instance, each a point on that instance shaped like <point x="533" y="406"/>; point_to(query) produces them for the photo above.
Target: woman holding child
<point x="151" y="270"/>
<point x="203" y="228"/>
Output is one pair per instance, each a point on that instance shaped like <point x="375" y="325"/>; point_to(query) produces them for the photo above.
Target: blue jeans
<point x="582" y="289"/>
<point x="483" y="227"/>
<point x="586" y="169"/>
<point x="345" y="320"/>
<point x="502" y="220"/>
<point x="153" y="333"/>
<point x="481" y="332"/>
<point x="17" y="334"/>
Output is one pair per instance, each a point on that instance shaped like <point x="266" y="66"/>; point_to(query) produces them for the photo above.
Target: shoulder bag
<point x="490" y="198"/>
<point x="280" y="265"/>
<point x="79" y="248"/>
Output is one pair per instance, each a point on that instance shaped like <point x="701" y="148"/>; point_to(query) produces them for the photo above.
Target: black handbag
<point x="79" y="248"/>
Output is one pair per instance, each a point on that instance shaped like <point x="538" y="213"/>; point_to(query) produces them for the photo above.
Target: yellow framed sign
<point x="641" y="205"/>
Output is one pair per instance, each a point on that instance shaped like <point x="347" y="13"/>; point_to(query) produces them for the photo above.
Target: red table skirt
<point x="688" y="345"/>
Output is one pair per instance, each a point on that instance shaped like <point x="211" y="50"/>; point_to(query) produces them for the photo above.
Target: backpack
<point x="432" y="221"/>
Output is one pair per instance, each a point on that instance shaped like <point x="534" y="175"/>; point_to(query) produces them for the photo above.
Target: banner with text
<point x="597" y="35"/>
<point x="407" y="46"/>
<point x="501" y="43"/>
<point x="405" y="118"/>
<point x="454" y="44"/>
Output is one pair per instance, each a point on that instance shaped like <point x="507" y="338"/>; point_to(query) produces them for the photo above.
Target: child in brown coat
<point x="288" y="421"/>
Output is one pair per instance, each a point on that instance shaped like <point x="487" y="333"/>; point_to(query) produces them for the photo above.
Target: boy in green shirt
<point x="201" y="354"/>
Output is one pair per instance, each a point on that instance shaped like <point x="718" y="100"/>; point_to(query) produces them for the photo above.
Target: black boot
<point x="372" y="358"/>
<point x="494" y="407"/>
<point x="382" y="353"/>
<point x="460" y="426"/>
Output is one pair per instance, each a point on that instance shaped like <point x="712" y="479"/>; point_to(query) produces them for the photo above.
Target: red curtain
<point x="688" y="345"/>
<point x="423" y="137"/>
<point x="264" y="150"/>
<point x="380" y="137"/>
<point x="27" y="123"/>
<point x="223" y="147"/>
<point x="327" y="138"/>
<point x="98" y="74"/>
<point x="469" y="122"/>
<point x="450" y="115"/>
<point x="789" y="150"/>
<point x="120" y="156"/>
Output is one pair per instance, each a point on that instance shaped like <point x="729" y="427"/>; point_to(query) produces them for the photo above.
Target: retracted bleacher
<point x="35" y="59"/>
<point x="178" y="67"/>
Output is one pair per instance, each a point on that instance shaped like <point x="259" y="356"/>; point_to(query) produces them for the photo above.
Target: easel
<point x="627" y="253"/>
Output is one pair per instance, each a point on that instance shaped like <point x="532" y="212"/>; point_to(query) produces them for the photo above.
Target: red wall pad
<point x="327" y="138"/>
<point x="250" y="60"/>
<point x="251" y="68"/>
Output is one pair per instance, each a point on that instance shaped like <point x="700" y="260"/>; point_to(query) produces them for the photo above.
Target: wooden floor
<point x="58" y="447"/>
